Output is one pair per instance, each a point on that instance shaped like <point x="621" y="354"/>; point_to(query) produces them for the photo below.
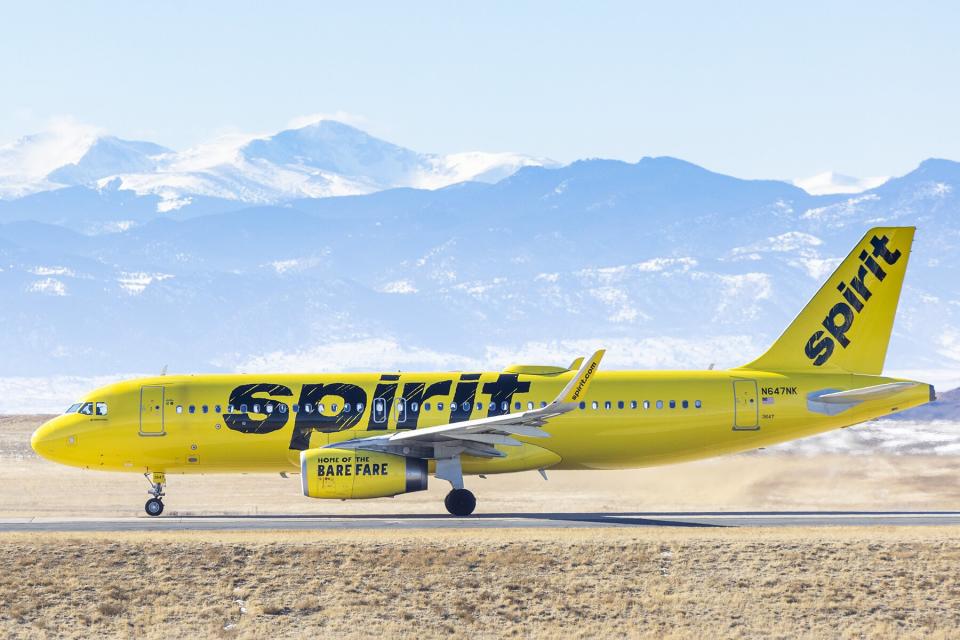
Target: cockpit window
<point x="86" y="409"/>
<point x="101" y="408"/>
<point x="73" y="408"/>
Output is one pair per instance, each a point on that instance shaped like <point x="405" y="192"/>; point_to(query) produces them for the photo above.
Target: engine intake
<point x="347" y="473"/>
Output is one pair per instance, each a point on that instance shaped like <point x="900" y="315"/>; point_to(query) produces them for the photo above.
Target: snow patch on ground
<point x="52" y="271"/>
<point x="398" y="286"/>
<point x="135" y="283"/>
<point x="48" y="286"/>
<point x="828" y="182"/>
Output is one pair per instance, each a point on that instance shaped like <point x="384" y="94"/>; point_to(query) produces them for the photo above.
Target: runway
<point x="181" y="522"/>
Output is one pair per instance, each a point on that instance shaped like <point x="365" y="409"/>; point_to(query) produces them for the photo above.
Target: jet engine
<point x="347" y="473"/>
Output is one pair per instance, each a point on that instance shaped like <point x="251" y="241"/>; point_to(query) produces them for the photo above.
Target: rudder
<point x="848" y="322"/>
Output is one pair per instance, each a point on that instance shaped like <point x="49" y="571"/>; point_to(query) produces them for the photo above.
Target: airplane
<point x="369" y="435"/>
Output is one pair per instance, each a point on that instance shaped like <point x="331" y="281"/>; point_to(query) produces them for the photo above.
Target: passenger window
<point x="269" y="407"/>
<point x="620" y="404"/>
<point x="243" y="408"/>
<point x="504" y="406"/>
<point x="426" y="406"/>
<point x="87" y="409"/>
<point x="685" y="404"/>
<point x="479" y="406"/>
<point x="493" y="405"/>
<point x="633" y="404"/>
<point x="192" y="409"/>
<point x="583" y="405"/>
<point x="333" y="408"/>
<point x="256" y="408"/>
<point x="216" y="408"/>
<point x="101" y="408"/>
<point x="205" y="409"/>
<point x="696" y="403"/>
<point x="517" y="405"/>
<point x="346" y="407"/>
<point x="282" y="408"/>
<point x="230" y="408"/>
<point x="607" y="405"/>
<point x="415" y="406"/>
<point x="646" y="404"/>
<point x="594" y="405"/>
<point x="320" y="407"/>
<point x="659" y="404"/>
<point x="530" y="405"/>
<point x="295" y="408"/>
<point x="179" y="408"/>
<point x="439" y="406"/>
<point x="543" y="404"/>
<point x="673" y="404"/>
<point x="359" y="407"/>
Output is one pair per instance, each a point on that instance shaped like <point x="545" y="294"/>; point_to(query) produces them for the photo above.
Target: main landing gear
<point x="460" y="501"/>
<point x="157" y="480"/>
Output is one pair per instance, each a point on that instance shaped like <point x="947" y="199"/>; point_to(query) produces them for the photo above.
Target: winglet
<point x="577" y="387"/>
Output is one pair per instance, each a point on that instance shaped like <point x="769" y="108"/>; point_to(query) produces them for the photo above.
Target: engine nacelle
<point x="346" y="473"/>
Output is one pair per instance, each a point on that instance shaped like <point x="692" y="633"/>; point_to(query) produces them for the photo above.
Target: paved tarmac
<point x="182" y="522"/>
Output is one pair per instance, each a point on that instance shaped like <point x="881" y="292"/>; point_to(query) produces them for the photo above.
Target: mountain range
<point x="325" y="158"/>
<point x="119" y="257"/>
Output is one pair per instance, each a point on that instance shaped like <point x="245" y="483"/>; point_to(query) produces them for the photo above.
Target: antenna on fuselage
<point x="710" y="368"/>
<point x="163" y="371"/>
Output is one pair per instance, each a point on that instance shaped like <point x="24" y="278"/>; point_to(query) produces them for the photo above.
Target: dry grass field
<point x="651" y="583"/>
<point x="30" y="486"/>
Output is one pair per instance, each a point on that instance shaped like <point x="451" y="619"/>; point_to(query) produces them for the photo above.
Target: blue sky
<point x="759" y="90"/>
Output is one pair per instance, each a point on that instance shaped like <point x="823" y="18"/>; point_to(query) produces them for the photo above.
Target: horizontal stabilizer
<point x="877" y="392"/>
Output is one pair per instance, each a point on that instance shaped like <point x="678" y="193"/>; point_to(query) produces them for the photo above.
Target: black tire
<point x="460" y="502"/>
<point x="154" y="507"/>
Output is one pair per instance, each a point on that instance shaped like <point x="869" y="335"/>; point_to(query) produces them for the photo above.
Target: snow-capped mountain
<point x="829" y="182"/>
<point x="108" y="156"/>
<point x="26" y="163"/>
<point x="325" y="158"/>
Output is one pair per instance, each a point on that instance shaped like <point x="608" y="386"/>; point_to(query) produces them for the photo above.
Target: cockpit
<point x="88" y="408"/>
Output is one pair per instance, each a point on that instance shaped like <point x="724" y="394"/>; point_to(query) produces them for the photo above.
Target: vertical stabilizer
<point x="847" y="324"/>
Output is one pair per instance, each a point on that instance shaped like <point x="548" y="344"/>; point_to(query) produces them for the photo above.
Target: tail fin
<point x="847" y="324"/>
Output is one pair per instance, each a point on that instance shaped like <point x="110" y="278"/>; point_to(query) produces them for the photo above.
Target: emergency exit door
<point x="151" y="411"/>
<point x="746" y="409"/>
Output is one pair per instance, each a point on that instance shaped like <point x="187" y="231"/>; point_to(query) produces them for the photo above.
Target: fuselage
<point x="261" y="423"/>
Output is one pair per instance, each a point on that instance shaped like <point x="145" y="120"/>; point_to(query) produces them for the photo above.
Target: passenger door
<point x="151" y="410"/>
<point x="746" y="409"/>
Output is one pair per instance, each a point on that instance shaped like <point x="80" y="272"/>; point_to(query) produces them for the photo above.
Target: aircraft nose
<point x="46" y="439"/>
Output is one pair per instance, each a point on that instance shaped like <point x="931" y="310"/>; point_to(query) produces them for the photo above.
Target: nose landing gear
<point x="154" y="505"/>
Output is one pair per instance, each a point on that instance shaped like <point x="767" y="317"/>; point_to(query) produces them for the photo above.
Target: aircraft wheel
<point x="154" y="507"/>
<point x="460" y="502"/>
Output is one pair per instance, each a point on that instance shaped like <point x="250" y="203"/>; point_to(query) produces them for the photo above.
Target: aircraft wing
<point x="479" y="437"/>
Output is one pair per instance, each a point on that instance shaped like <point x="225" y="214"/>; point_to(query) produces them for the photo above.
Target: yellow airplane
<point x="377" y="435"/>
